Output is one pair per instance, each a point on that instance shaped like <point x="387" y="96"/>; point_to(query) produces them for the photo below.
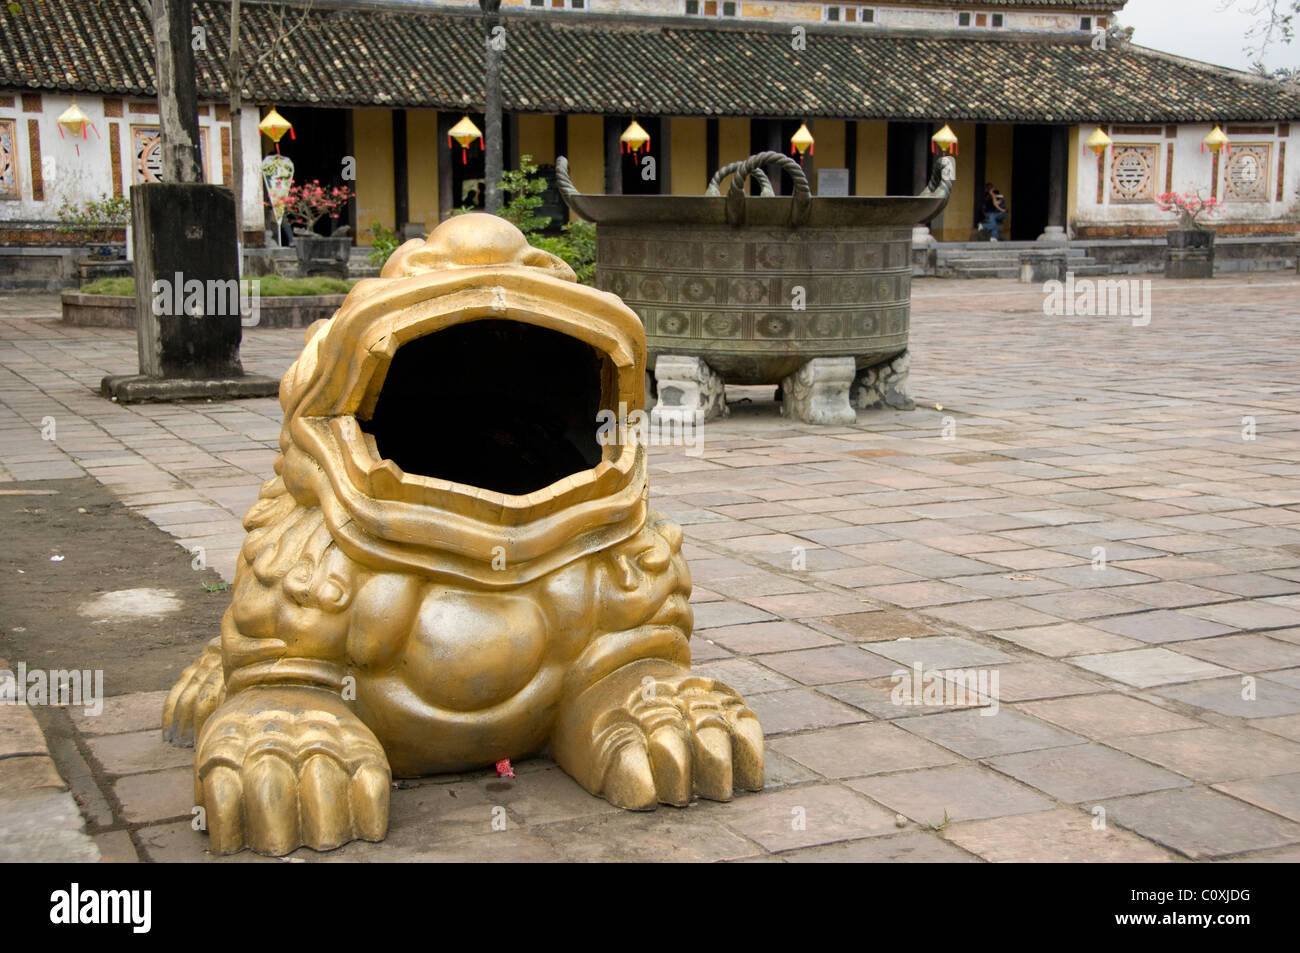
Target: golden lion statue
<point x="450" y="568"/>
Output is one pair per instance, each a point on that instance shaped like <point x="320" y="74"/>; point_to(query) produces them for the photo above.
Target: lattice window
<point x="146" y="154"/>
<point x="1133" y="173"/>
<point x="1246" y="178"/>
<point x="8" y="160"/>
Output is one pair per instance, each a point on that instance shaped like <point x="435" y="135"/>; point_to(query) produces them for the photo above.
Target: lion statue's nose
<point x="473" y="240"/>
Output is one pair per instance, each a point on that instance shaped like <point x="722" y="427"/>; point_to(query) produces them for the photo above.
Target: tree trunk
<point x="236" y="79"/>
<point x="493" y="160"/>
<point x="178" y="100"/>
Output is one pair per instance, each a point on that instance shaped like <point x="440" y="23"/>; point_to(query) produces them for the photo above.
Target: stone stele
<point x="450" y="567"/>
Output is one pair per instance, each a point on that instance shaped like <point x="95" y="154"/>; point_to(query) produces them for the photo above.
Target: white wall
<point x="1191" y="171"/>
<point x="81" y="170"/>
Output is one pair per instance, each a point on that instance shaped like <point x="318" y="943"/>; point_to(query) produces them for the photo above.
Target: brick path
<point x="1147" y="710"/>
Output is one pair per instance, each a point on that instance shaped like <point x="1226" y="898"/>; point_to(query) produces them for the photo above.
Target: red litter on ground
<point x="504" y="770"/>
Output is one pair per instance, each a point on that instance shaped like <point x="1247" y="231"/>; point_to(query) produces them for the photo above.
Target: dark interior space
<point x="773" y="135"/>
<point x="1031" y="173"/>
<point x="501" y="405"/>
<point x="319" y="145"/>
<point x="901" y="160"/>
<point x="633" y="169"/>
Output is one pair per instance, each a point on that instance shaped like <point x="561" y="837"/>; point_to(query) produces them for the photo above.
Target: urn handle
<point x="741" y="171"/>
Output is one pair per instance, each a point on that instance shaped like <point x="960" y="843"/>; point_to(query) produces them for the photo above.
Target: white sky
<point x="1201" y="29"/>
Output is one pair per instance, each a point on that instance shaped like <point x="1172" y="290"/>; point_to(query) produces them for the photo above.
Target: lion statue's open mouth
<point x="449" y="568"/>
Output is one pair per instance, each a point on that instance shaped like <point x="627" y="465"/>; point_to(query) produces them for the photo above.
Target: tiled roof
<point x="599" y="64"/>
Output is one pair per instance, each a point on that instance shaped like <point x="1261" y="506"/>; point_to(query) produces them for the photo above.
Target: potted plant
<point x="1190" y="250"/>
<point x="97" y="222"/>
<point x="304" y="206"/>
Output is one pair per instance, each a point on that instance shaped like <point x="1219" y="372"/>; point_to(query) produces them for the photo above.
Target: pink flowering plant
<point x="1189" y="207"/>
<point x="307" y="204"/>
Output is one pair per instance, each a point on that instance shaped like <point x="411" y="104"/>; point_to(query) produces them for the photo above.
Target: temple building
<point x="374" y="86"/>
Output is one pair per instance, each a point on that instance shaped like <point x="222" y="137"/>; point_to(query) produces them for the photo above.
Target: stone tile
<point x="1029" y="680"/>
<point x="1250" y="584"/>
<point x="746" y="677"/>
<point x="19" y="732"/>
<point x="544" y="796"/>
<point x="1215" y="754"/>
<point x="1173" y="567"/>
<point x="1173" y="595"/>
<point x="807" y="816"/>
<point x="44" y="826"/>
<point x="23" y="774"/>
<point x="1280" y="794"/>
<point x="910" y="595"/>
<point x="156" y="796"/>
<point x="1144" y="668"/>
<point x="716" y="614"/>
<point x="781" y="772"/>
<point x="1080" y="605"/>
<point x="1085" y="577"/>
<point x="756" y="638"/>
<point x="1287" y="726"/>
<point x="991" y="614"/>
<point x="1107" y="716"/>
<point x="860" y="577"/>
<point x="883" y="626"/>
<point x="1289" y="677"/>
<point x="799" y="709"/>
<point x="1243" y="653"/>
<point x="1011" y="585"/>
<point x="704" y="649"/>
<point x="1201" y="824"/>
<point x="856" y="750"/>
<point x="809" y="605"/>
<point x="880" y="697"/>
<point x="1161" y="626"/>
<point x="843" y="663"/>
<point x="911" y="847"/>
<point x="1065" y="835"/>
<point x="140" y="711"/>
<point x="1066" y="638"/>
<point x="1249" y="615"/>
<point x="964" y="792"/>
<point x="137" y="752"/>
<point x="940" y="651"/>
<point x="115" y="847"/>
<point x="1225" y="696"/>
<point x="1029" y="559"/>
<point x="1085" y="773"/>
<point x="974" y="734"/>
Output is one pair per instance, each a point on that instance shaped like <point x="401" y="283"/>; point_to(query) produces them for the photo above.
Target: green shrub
<point x="576" y="244"/>
<point x="271" y="286"/>
<point x="385" y="243"/>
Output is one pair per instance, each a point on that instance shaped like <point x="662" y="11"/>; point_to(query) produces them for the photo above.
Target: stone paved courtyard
<point x="1074" y="507"/>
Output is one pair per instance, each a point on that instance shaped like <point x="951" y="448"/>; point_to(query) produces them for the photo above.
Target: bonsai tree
<point x="1189" y="207"/>
<point x="307" y="204"/>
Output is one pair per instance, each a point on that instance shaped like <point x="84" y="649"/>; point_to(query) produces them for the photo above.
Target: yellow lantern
<point x="944" y="142"/>
<point x="274" y="126"/>
<point x="1098" y="142"/>
<point x="76" y="122"/>
<point x="1216" y="141"/>
<point x="634" y="138"/>
<point x="802" y="141"/>
<point x="465" y="132"/>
